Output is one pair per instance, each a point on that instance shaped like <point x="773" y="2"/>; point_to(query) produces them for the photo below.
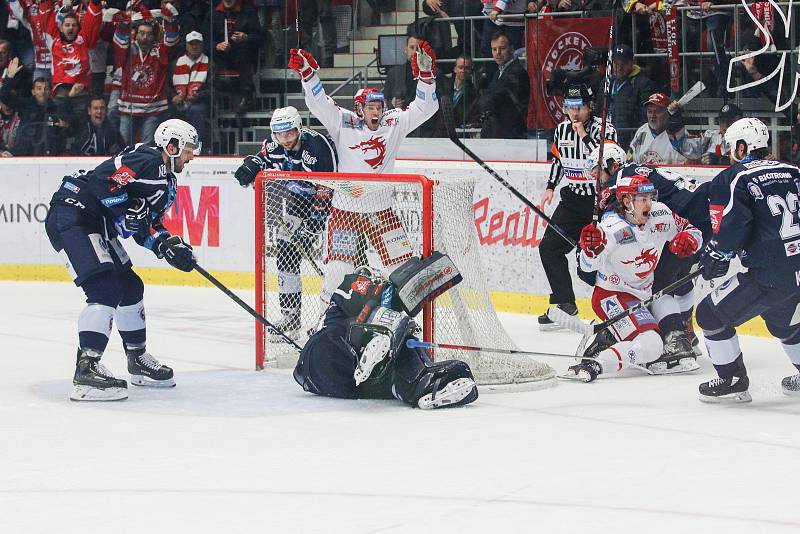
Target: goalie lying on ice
<point x="360" y="351"/>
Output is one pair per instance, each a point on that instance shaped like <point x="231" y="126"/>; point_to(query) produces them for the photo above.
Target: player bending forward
<point x="125" y="196"/>
<point x="625" y="249"/>
<point x="303" y="214"/>
<point x="754" y="213"/>
<point x="360" y="351"/>
<point x="367" y="142"/>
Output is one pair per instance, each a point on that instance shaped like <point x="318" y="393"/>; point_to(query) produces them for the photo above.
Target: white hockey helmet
<point x="751" y="131"/>
<point x="611" y="152"/>
<point x="180" y="131"/>
<point x="283" y="120"/>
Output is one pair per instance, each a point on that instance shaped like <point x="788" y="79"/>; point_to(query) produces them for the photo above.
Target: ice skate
<point x="376" y="351"/>
<point x="289" y="324"/>
<point x="459" y="391"/>
<point x="93" y="382"/>
<point x="678" y="356"/>
<point x="547" y="325"/>
<point x="586" y="371"/>
<point x="791" y="385"/>
<point x="145" y="370"/>
<point x="721" y="390"/>
<point x="688" y="326"/>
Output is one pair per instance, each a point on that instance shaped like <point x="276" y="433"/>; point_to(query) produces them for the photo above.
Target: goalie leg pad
<point x="419" y="382"/>
<point x="376" y="351"/>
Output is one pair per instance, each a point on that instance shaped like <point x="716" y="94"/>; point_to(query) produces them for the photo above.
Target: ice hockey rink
<point x="234" y="450"/>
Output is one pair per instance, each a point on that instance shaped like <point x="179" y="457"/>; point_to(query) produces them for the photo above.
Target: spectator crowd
<point x="85" y="77"/>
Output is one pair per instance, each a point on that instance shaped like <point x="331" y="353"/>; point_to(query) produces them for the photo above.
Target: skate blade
<point x="730" y="398"/>
<point x="454" y="393"/>
<point x="145" y="381"/>
<point x="553" y="327"/>
<point x="89" y="393"/>
<point x="790" y="392"/>
<point x="581" y="376"/>
<point x="685" y="365"/>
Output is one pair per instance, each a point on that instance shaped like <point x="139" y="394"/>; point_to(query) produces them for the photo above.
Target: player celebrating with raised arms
<point x="125" y="196"/>
<point x="367" y="142"/>
<point x="754" y="213"/>
<point x="625" y="249"/>
<point x="302" y="217"/>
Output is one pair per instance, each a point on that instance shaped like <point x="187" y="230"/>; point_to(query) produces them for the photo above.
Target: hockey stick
<point x="413" y="344"/>
<point x="572" y="322"/>
<point x="211" y="278"/>
<point x="447" y="114"/>
<point x="604" y="115"/>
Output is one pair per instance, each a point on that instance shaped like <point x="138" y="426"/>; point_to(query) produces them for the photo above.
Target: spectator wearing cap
<point x="504" y="93"/>
<point x="191" y="84"/>
<point x="660" y="139"/>
<point x="710" y="148"/>
<point x="97" y="136"/>
<point x="629" y="88"/>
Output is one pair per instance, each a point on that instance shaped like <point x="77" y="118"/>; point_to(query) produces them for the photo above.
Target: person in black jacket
<point x="237" y="35"/>
<point x="504" y="101"/>
<point x="96" y="135"/>
<point x="628" y="90"/>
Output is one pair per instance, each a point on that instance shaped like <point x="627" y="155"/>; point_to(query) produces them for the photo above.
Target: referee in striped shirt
<point x="574" y="140"/>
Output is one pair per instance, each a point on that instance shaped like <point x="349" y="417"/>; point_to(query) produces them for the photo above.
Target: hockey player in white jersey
<point x="366" y="142"/>
<point x="624" y="249"/>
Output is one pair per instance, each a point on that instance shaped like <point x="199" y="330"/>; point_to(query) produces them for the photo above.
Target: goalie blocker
<point x="361" y="352"/>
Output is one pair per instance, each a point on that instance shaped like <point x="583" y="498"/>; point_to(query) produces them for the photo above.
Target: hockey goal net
<point x="436" y="214"/>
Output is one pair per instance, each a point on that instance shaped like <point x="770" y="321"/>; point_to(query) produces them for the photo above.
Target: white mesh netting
<point x="366" y="226"/>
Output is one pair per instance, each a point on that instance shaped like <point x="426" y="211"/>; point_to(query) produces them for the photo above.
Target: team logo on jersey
<point x="651" y="157"/>
<point x="715" y="212"/>
<point x="648" y="259"/>
<point x="361" y="285"/>
<point x="566" y="53"/>
<point x="643" y="171"/>
<point x="376" y="145"/>
<point x="614" y="279"/>
<point x="755" y="191"/>
<point x="71" y="65"/>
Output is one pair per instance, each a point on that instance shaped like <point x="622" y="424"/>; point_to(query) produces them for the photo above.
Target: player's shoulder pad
<point x="351" y="120"/>
<point x="391" y="117"/>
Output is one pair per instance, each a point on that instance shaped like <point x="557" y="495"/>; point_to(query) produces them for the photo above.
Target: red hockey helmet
<point x="634" y="185"/>
<point x="367" y="94"/>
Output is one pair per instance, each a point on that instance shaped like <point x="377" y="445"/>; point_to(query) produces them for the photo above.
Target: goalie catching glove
<point x="423" y="62"/>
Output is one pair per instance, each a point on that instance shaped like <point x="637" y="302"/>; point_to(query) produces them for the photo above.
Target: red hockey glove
<point x="423" y="62"/>
<point x="593" y="240"/>
<point x="303" y="63"/>
<point x="684" y="245"/>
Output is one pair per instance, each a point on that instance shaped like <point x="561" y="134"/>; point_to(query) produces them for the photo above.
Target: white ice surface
<point x="233" y="450"/>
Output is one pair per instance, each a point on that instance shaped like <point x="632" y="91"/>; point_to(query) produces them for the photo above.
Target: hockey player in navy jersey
<point x="754" y="214"/>
<point x="293" y="148"/>
<point x="125" y="196"/>
<point x="360" y="351"/>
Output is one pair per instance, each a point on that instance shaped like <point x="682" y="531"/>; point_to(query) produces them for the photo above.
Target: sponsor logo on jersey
<point x="361" y="285"/>
<point x="624" y="235"/>
<point x="755" y="191"/>
<point x="614" y="279"/>
<point x="792" y="248"/>
<point x="308" y="159"/>
<point x="72" y="187"/>
<point x="715" y="212"/>
<point x="344" y="243"/>
<point x="113" y="201"/>
<point x="647" y="260"/>
<point x="374" y="145"/>
<point x="566" y="143"/>
<point x="122" y="177"/>
<point x="658" y="213"/>
<point x="660" y="227"/>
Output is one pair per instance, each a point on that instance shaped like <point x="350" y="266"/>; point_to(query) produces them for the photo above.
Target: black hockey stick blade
<point x="446" y="105"/>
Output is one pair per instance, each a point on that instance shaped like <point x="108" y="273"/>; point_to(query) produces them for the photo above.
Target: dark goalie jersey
<point x="682" y="195"/>
<point x="105" y="193"/>
<point x="754" y="211"/>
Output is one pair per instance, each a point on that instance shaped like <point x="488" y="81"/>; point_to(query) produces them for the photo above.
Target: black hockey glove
<point x="137" y="216"/>
<point x="246" y="173"/>
<point x="714" y="262"/>
<point x="177" y="252"/>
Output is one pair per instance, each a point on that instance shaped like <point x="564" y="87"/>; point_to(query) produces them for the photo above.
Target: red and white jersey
<point x="71" y="58"/>
<point x="363" y="150"/>
<point x="632" y="252"/>
<point x="32" y="15"/>
<point x="190" y="76"/>
<point x="655" y="149"/>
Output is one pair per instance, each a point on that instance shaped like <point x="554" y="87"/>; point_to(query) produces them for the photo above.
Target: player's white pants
<point x="641" y="350"/>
